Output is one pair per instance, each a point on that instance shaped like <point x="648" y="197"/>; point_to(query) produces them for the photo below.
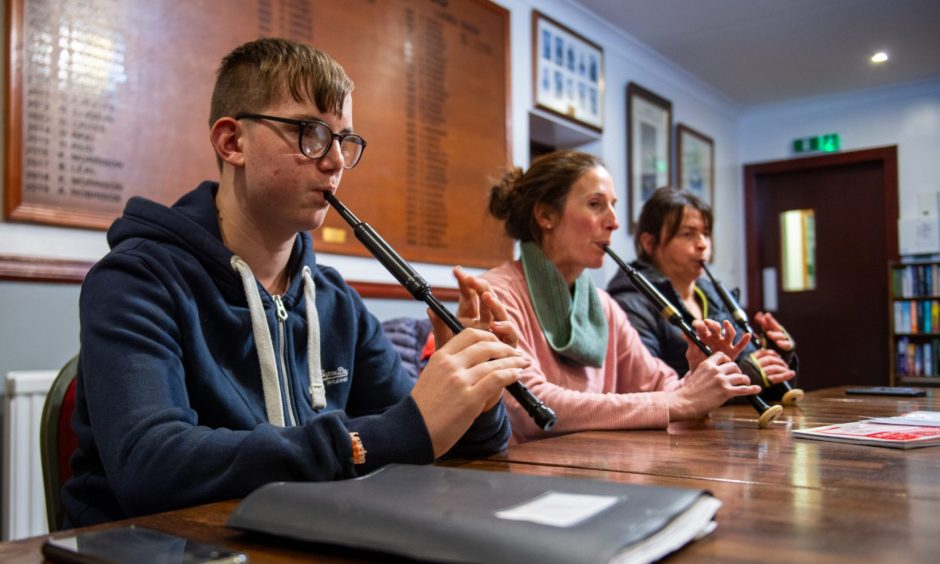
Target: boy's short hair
<point x="255" y="75"/>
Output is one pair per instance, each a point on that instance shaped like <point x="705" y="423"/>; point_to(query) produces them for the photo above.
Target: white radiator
<point x="24" y="502"/>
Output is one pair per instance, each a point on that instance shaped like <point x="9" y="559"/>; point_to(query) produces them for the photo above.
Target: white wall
<point x="907" y="116"/>
<point x="693" y="102"/>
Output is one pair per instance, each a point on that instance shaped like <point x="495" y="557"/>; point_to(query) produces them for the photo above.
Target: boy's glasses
<point x="315" y="138"/>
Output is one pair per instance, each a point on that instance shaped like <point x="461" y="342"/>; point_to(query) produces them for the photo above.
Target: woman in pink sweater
<point x="588" y="363"/>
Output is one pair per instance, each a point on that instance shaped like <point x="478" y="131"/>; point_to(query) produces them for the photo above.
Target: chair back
<point x="58" y="441"/>
<point x="410" y="338"/>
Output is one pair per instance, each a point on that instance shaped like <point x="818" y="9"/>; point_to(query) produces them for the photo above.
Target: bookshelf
<point x="914" y="342"/>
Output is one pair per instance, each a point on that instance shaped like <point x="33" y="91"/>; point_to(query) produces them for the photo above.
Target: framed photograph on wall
<point x="695" y="163"/>
<point x="649" y="143"/>
<point x="568" y="73"/>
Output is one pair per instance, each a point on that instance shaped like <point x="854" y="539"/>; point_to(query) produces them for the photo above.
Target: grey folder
<point x="450" y="514"/>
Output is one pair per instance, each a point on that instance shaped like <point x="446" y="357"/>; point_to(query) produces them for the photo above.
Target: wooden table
<point x="785" y="499"/>
<point x="728" y="447"/>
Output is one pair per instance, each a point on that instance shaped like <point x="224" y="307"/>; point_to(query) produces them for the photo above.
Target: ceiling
<point x="764" y="51"/>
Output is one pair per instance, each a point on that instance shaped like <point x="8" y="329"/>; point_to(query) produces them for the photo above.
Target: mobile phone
<point x="888" y="391"/>
<point x="135" y="544"/>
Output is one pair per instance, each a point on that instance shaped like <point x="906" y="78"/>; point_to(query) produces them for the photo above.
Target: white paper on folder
<point x="559" y="509"/>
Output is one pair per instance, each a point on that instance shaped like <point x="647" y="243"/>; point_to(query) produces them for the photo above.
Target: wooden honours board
<point x="109" y="99"/>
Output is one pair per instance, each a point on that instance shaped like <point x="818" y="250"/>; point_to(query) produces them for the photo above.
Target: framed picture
<point x="649" y="143"/>
<point x="568" y="73"/>
<point x="695" y="163"/>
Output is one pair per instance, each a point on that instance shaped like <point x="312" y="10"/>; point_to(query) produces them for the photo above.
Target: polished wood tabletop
<point x="784" y="499"/>
<point x="728" y="446"/>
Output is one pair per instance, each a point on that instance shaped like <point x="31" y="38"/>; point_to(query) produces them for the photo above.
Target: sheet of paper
<point x="923" y="418"/>
<point x="559" y="509"/>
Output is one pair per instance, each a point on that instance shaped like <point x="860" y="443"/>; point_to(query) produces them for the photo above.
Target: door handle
<point x="769" y="279"/>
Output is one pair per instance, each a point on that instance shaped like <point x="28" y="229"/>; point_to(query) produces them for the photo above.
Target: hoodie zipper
<point x="282" y="357"/>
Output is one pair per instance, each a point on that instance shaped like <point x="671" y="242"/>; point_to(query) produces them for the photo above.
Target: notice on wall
<point x="109" y="99"/>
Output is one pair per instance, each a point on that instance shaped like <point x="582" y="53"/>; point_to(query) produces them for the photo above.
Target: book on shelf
<point x="918" y="359"/>
<point x="911" y="280"/>
<point x="902" y="357"/>
<point x="910" y="430"/>
<point x="462" y="515"/>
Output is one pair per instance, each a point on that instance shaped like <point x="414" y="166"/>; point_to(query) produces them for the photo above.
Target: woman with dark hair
<point x="588" y="362"/>
<point x="673" y="238"/>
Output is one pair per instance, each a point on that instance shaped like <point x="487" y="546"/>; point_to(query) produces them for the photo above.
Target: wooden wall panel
<point x="109" y="99"/>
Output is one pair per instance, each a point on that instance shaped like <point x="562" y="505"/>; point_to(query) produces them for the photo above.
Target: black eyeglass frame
<point x="302" y="125"/>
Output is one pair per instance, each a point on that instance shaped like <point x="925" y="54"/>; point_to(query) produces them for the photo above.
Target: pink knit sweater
<point x="627" y="392"/>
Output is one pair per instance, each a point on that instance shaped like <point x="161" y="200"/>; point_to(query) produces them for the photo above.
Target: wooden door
<point x="841" y="326"/>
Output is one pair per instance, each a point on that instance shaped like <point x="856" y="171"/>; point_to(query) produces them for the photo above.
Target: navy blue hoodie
<point x="170" y="410"/>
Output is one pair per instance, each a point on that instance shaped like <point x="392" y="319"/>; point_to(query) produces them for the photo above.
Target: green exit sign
<point x="828" y="143"/>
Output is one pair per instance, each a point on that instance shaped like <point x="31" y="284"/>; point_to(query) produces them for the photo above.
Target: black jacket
<point x="660" y="337"/>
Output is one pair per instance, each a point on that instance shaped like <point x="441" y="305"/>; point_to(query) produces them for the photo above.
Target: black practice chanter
<point x="781" y="392"/>
<point x="766" y="413"/>
<point x="420" y="290"/>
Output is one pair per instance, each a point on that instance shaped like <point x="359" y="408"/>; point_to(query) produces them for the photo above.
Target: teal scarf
<point x="575" y="327"/>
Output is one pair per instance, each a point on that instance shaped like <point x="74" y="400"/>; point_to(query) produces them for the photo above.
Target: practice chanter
<point x="420" y="290"/>
<point x="766" y="413"/>
<point x="782" y="392"/>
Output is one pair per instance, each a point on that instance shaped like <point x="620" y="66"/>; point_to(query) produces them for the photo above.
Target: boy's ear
<point x="226" y="138"/>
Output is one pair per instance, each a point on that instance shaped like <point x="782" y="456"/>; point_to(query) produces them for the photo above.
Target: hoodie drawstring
<point x="265" y="346"/>
<point x="317" y="390"/>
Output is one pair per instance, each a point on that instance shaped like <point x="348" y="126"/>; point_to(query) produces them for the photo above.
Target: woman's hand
<point x="717" y="337"/>
<point x="478" y="308"/>
<point x="715" y="380"/>
<point x="774" y="366"/>
<point x="774" y="331"/>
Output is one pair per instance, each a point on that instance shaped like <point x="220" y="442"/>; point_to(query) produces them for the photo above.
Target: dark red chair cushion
<point x="68" y="442"/>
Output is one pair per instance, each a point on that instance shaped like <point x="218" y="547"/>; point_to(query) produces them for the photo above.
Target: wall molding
<point x="36" y="269"/>
<point x="60" y="271"/>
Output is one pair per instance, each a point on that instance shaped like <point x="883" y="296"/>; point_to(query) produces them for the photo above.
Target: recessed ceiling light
<point x="879" y="57"/>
